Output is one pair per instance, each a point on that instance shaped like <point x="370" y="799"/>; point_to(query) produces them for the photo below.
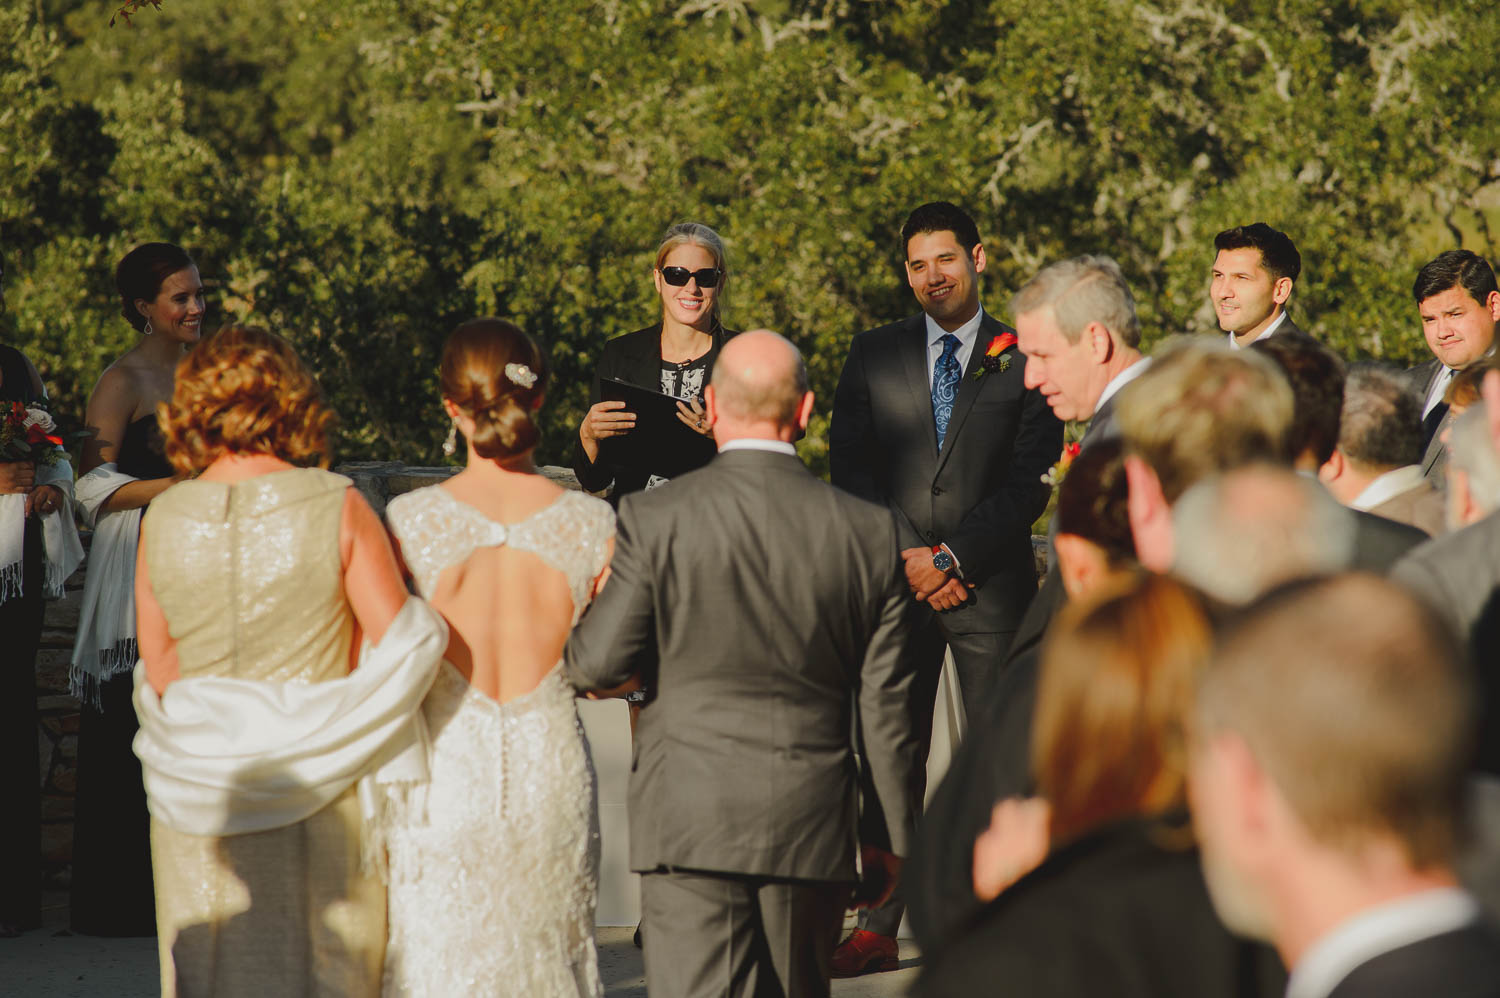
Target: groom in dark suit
<point x="764" y="610"/>
<point x="932" y="419"/>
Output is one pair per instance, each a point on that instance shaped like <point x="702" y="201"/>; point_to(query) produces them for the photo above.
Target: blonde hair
<point x="698" y="234"/>
<point x="1117" y="679"/>
<point x="1203" y="408"/>
<point x="244" y="390"/>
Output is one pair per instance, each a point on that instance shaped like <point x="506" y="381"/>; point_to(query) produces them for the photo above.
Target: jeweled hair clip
<point x="520" y="374"/>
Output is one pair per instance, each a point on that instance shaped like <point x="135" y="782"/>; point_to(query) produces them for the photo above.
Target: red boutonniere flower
<point x="994" y="357"/>
<point x="1055" y="474"/>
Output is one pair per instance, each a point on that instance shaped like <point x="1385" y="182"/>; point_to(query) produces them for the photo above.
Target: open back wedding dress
<point x="493" y="889"/>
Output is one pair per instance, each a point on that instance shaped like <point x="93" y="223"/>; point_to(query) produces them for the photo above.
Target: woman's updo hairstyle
<point x="495" y="374"/>
<point x="141" y="273"/>
<point x="244" y="390"/>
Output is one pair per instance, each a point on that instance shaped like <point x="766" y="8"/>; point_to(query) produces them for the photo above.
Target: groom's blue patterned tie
<point x="945" y="377"/>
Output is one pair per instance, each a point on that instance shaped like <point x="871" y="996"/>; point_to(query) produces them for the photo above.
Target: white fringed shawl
<point x="225" y="756"/>
<point x="60" y="547"/>
<point x="105" y="644"/>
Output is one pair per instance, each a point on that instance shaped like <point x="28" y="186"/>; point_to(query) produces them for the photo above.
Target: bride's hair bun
<point x="494" y="373"/>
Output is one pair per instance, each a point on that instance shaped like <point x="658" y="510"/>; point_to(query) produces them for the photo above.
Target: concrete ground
<point x="53" y="963"/>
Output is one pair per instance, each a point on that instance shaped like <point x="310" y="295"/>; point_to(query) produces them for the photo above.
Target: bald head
<point x="759" y="387"/>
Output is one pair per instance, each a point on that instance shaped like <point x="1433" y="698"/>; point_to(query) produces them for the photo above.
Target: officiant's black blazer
<point x="634" y="358"/>
<point x="981" y="492"/>
<point x="761" y="607"/>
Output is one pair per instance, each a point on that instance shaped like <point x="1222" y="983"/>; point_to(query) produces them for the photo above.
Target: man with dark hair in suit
<point x="1460" y="308"/>
<point x="765" y="612"/>
<point x="933" y="419"/>
<point x="1375" y="466"/>
<point x="1077" y="326"/>
<point x="1316" y="376"/>
<point x="1255" y="268"/>
<point x="1328" y="751"/>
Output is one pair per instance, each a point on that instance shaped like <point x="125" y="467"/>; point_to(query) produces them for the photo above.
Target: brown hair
<point x="1093" y="499"/>
<point x="141" y="273"/>
<point x="481" y="374"/>
<point x="1203" y="408"/>
<point x="1357" y="702"/>
<point x="1467" y="386"/>
<point x="244" y="389"/>
<point x="1117" y="680"/>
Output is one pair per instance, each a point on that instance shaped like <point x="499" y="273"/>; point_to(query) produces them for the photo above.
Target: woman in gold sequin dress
<point x="260" y="570"/>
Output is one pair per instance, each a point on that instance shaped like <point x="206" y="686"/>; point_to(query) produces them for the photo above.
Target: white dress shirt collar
<point x="967" y="334"/>
<point x="754" y="443"/>
<point x="1388" y="486"/>
<point x="1376" y="931"/>
<point x="1275" y="325"/>
<point x="1120" y="380"/>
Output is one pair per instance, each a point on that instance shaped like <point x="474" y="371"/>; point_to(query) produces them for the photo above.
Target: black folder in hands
<point x="659" y="443"/>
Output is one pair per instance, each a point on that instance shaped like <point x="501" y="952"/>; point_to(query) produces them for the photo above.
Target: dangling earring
<point x="451" y="443"/>
<point x="147" y="330"/>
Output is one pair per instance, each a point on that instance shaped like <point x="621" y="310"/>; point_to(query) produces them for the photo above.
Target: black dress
<point x="20" y="634"/>
<point x="112" y="893"/>
<point x="635" y="358"/>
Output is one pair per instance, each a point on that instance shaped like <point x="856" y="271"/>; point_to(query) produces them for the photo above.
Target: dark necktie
<point x="1434" y="419"/>
<point x="945" y="377"/>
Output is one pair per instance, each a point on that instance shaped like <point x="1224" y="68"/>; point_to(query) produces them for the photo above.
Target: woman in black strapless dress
<point x="161" y="295"/>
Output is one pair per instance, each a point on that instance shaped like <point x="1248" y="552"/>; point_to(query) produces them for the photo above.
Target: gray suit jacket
<point x="763" y="609"/>
<point x="1422" y="507"/>
<point x="1435" y="457"/>
<point x="1459" y="575"/>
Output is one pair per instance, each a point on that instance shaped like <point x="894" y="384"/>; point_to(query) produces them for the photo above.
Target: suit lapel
<point x="1435" y="445"/>
<point x="913" y="348"/>
<point x="969" y="388"/>
<point x="643" y="363"/>
<point x="1101" y="426"/>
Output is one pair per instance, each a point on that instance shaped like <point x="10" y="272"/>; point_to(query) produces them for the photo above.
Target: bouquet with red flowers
<point x="28" y="433"/>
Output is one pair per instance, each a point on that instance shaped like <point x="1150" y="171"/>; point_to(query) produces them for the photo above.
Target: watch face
<point x="942" y="561"/>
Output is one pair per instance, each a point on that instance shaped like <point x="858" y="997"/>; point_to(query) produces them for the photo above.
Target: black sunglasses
<point x="678" y="277"/>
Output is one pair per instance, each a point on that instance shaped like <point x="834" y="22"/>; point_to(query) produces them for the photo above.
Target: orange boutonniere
<point x="994" y="357"/>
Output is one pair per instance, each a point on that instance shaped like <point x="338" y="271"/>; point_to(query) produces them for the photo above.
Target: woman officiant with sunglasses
<point x="673" y="357"/>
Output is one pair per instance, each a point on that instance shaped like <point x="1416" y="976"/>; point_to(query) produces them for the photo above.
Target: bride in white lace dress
<point x="493" y="888"/>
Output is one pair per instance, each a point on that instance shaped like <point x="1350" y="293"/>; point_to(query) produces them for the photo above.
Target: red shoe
<point x="864" y="952"/>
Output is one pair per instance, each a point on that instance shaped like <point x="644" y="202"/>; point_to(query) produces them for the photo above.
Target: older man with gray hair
<point x="1458" y="574"/>
<point x="1076" y="324"/>
<point x="1473" y="469"/>
<point x="1242" y="533"/>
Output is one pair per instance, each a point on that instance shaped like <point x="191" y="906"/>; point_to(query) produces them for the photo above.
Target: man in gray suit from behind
<point x="763" y="611"/>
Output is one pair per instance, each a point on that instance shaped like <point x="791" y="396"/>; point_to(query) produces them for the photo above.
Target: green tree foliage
<point x="363" y="175"/>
